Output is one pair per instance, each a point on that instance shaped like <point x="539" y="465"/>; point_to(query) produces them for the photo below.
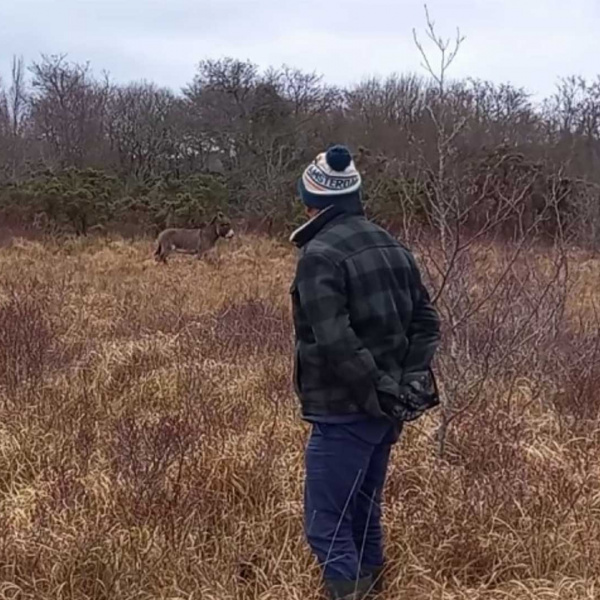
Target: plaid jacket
<point x="363" y="320"/>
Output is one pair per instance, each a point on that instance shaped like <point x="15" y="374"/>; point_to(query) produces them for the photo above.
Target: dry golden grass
<point x="150" y="445"/>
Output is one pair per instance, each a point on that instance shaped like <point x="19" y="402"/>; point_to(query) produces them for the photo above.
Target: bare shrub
<point x="252" y="327"/>
<point x="27" y="335"/>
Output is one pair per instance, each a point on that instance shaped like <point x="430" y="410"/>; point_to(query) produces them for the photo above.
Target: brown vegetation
<point x="150" y="445"/>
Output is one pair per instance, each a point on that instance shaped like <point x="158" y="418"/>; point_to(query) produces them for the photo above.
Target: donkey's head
<point x="222" y="226"/>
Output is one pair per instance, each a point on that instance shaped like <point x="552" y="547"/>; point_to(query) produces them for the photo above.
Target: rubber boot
<point x="348" y="590"/>
<point x="376" y="575"/>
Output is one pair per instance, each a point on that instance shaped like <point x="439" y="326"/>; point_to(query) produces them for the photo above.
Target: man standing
<point x="366" y="334"/>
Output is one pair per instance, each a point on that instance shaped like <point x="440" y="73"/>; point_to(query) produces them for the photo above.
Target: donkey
<point x="193" y="241"/>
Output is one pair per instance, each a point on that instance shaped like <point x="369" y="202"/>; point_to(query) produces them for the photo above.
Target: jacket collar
<point x="309" y="230"/>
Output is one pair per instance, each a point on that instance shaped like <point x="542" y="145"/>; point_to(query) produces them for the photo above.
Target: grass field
<point x="150" y="445"/>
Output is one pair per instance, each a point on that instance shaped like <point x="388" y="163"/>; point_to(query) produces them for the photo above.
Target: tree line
<point x="78" y="150"/>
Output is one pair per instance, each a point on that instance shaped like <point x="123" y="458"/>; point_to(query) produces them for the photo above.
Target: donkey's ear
<point x="220" y="216"/>
<point x="214" y="219"/>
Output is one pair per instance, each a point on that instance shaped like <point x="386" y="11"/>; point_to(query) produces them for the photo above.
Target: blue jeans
<point x="346" y="467"/>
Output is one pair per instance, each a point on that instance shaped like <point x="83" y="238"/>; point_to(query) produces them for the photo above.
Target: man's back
<point x="358" y="302"/>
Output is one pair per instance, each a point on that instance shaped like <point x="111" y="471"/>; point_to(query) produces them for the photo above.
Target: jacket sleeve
<point x="424" y="331"/>
<point x="322" y="292"/>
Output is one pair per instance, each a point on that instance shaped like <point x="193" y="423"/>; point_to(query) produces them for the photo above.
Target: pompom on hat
<point x="330" y="179"/>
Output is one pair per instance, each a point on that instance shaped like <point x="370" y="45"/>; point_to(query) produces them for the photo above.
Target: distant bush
<point x="187" y="202"/>
<point x="70" y="199"/>
<point x="77" y="200"/>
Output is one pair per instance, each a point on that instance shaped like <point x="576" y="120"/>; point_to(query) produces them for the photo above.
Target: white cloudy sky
<point x="528" y="42"/>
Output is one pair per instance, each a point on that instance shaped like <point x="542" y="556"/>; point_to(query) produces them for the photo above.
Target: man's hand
<point x="417" y="395"/>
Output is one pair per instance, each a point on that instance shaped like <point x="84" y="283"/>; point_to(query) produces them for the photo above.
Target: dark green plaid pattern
<point x="363" y="319"/>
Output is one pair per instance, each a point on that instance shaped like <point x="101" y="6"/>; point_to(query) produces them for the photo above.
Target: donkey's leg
<point x="159" y="254"/>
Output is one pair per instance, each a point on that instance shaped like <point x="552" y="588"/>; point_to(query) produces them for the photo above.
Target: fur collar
<point x="306" y="232"/>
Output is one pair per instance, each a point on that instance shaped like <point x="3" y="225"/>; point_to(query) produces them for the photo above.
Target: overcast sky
<point x="530" y="43"/>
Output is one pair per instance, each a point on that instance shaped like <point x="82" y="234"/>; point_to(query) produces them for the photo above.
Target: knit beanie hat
<point x="330" y="179"/>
